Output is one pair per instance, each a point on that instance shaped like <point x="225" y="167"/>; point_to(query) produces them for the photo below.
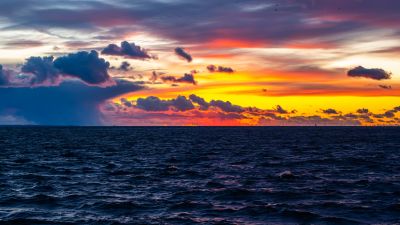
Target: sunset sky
<point x="200" y="62"/>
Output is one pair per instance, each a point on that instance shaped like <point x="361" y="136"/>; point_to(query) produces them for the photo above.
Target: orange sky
<point x="319" y="61"/>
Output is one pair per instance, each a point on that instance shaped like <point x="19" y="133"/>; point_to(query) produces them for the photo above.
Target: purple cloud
<point x="86" y="66"/>
<point x="219" y="69"/>
<point x="187" y="78"/>
<point x="128" y="50"/>
<point x="375" y="74"/>
<point x="183" y="54"/>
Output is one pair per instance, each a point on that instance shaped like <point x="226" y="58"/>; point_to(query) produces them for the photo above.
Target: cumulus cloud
<point x="183" y="54"/>
<point x="151" y="103"/>
<point x="219" y="69"/>
<point x="390" y="114"/>
<point x="45" y="71"/>
<point x="204" y="105"/>
<point x="226" y="106"/>
<point x="181" y="103"/>
<point x="330" y="111"/>
<point x="363" y="111"/>
<point x="196" y="110"/>
<point x="128" y="50"/>
<point x="375" y="74"/>
<point x="187" y="78"/>
<point x="42" y="69"/>
<point x="86" y="66"/>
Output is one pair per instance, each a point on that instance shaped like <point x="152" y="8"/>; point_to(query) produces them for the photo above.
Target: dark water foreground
<point x="199" y="175"/>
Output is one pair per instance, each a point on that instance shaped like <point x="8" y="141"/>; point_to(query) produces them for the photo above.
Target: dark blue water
<point x="275" y="175"/>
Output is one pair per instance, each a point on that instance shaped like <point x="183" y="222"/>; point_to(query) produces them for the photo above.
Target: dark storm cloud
<point x="183" y="54"/>
<point x="375" y="74"/>
<point x="43" y="70"/>
<point x="71" y="103"/>
<point x="187" y="78"/>
<point x="86" y="66"/>
<point x="219" y="69"/>
<point x="330" y="111"/>
<point x="128" y="50"/>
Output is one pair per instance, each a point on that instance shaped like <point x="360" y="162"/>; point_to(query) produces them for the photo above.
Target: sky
<point x="200" y="62"/>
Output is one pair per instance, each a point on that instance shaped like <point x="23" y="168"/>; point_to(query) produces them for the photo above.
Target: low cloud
<point x="196" y="110"/>
<point x="183" y="54"/>
<point x="387" y="87"/>
<point x="181" y="103"/>
<point x="152" y="103"/>
<point x="128" y="50"/>
<point x="219" y="69"/>
<point x="204" y="105"/>
<point x="280" y="110"/>
<point x="330" y="111"/>
<point x="363" y="111"/>
<point x="375" y="74"/>
<point x="226" y="106"/>
<point x="187" y="78"/>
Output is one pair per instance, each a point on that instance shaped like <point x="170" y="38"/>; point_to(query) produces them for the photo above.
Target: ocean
<point x="199" y="175"/>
